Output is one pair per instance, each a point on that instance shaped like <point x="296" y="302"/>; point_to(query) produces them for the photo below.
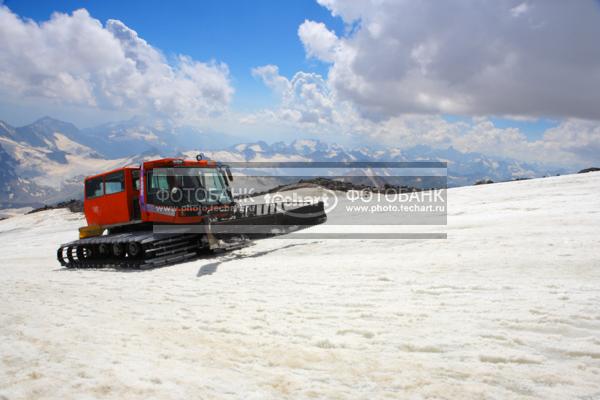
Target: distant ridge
<point x="44" y="162"/>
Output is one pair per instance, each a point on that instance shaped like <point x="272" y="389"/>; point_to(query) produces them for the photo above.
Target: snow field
<point x="506" y="307"/>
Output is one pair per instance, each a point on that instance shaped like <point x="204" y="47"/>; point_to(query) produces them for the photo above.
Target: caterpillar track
<point x="138" y="250"/>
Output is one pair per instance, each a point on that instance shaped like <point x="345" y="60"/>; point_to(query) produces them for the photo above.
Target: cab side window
<point x="93" y="188"/>
<point x="114" y="183"/>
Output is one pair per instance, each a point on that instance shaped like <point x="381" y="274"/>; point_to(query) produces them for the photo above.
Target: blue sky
<point x="509" y="78"/>
<point x="243" y="34"/>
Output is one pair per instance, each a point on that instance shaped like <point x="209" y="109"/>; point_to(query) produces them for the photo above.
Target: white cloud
<point x="538" y="58"/>
<point x="306" y="100"/>
<point x="519" y="10"/>
<point x="74" y="59"/>
<point x="577" y="140"/>
<point x="403" y="64"/>
<point x="318" y="41"/>
<point x="391" y="76"/>
<point x="270" y="76"/>
<point x="309" y="105"/>
<point x="572" y="142"/>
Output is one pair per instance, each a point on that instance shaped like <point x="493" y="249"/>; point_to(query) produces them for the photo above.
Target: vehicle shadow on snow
<point x="211" y="268"/>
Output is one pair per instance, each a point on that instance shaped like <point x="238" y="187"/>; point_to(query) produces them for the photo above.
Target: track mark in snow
<point x="365" y="334"/>
<point x="411" y="348"/>
<point x="508" y="360"/>
<point x="326" y="344"/>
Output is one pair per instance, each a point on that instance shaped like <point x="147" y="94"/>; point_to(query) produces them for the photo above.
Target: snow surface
<point x="12" y="212"/>
<point x="507" y="307"/>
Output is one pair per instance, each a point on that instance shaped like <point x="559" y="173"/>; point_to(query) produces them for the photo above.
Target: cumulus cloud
<point x="74" y="59"/>
<point x="319" y="42"/>
<point x="306" y="99"/>
<point x="578" y="140"/>
<point x="534" y="58"/>
<point x="309" y="105"/>
<point x="269" y="74"/>
<point x="572" y="142"/>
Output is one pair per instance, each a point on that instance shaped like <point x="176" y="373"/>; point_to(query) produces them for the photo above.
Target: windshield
<point x="184" y="186"/>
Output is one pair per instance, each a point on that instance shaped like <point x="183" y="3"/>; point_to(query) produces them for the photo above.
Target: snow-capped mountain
<point x="118" y="139"/>
<point x="45" y="161"/>
<point x="463" y="168"/>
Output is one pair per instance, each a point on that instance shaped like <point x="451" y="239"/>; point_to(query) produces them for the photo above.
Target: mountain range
<point x="44" y="162"/>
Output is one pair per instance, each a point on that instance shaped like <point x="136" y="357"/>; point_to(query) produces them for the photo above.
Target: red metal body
<point x="112" y="208"/>
<point x="113" y="198"/>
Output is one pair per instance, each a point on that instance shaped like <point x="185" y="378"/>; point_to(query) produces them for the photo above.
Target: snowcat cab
<point x="174" y="191"/>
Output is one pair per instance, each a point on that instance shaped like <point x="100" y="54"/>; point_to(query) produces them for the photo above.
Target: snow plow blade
<point x="262" y="221"/>
<point x="266" y="220"/>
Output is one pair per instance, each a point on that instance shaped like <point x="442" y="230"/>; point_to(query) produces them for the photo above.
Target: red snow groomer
<point x="168" y="210"/>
